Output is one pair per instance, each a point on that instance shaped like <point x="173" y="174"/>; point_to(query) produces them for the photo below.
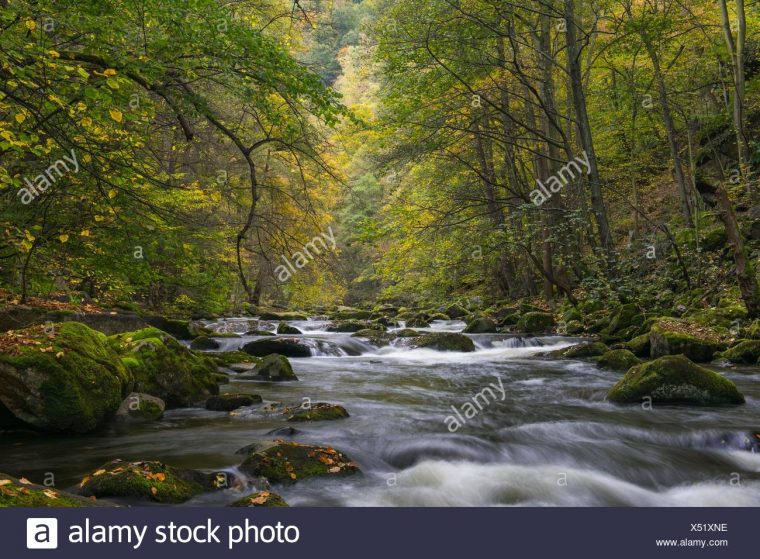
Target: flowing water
<point x="546" y="436"/>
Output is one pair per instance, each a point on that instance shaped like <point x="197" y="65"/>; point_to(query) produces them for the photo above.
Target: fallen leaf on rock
<point x="25" y="481"/>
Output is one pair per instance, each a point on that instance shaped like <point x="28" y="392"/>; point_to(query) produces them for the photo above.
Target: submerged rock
<point x="287" y="462"/>
<point x="261" y="499"/>
<point x="284" y="328"/>
<point x="481" y="326"/>
<point x="320" y="411"/>
<point x="579" y="351"/>
<point x="289" y="347"/>
<point x="22" y="493"/>
<point x="141" y="407"/>
<point x="675" y="337"/>
<point x="63" y="378"/>
<point x="351" y="326"/>
<point x="229" y="402"/>
<point x="147" y="480"/>
<point x="674" y="379"/>
<point x="535" y="323"/>
<point x="445" y="341"/>
<point x="618" y="360"/>
<point x="272" y="368"/>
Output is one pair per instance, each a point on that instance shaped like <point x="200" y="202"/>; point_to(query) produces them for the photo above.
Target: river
<point x="549" y="438"/>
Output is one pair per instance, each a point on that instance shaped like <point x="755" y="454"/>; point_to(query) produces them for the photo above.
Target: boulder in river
<point x="289" y="347"/>
<point x="147" y="480"/>
<point x="418" y="321"/>
<point x="288" y="462"/>
<point x="639" y="345"/>
<point x="455" y="311"/>
<point x="205" y="343"/>
<point x="285" y="328"/>
<point x="319" y="411"/>
<point x="407" y="333"/>
<point x="228" y="358"/>
<point x="272" y="368"/>
<point x="618" y="360"/>
<point x="140" y="407"/>
<point x="351" y="326"/>
<point x="674" y="379"/>
<point x="445" y="341"/>
<point x="580" y="351"/>
<point x="535" y="323"/>
<point x="261" y="499"/>
<point x="746" y="351"/>
<point x="675" y="337"/>
<point x="279" y="316"/>
<point x="163" y="367"/>
<point x="481" y="325"/>
<point x="229" y="402"/>
<point x="22" y="493"/>
<point x="59" y="378"/>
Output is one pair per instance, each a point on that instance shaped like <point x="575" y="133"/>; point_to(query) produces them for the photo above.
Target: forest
<point x="200" y="199"/>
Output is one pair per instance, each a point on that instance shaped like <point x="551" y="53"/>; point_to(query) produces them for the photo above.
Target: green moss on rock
<point x="61" y="378"/>
<point x="229" y="402"/>
<point x="261" y="499"/>
<point x="288" y="462"/>
<point x="15" y="493"/>
<point x="272" y="368"/>
<point x="227" y="358"/>
<point x="674" y="379"/>
<point x="639" y="345"/>
<point x="535" y="323"/>
<point x="320" y="411"/>
<point x="445" y="341"/>
<point x="674" y="337"/>
<point x="579" y="351"/>
<point x="618" y="360"/>
<point x="481" y="325"/>
<point x="746" y="351"/>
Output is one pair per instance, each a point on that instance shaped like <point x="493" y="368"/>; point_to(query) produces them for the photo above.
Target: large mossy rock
<point x="746" y="351"/>
<point x="280" y="316"/>
<point x="59" y="378"/>
<point x="163" y="367"/>
<point x="580" y="351"/>
<point x="205" y="343"/>
<point x="351" y="326"/>
<point x="180" y="329"/>
<point x="639" y="345"/>
<point x="288" y="462"/>
<point x="273" y="367"/>
<point x="15" y="493"/>
<point x="261" y="499"/>
<point x="289" y="347"/>
<point x="624" y="317"/>
<point x="618" y="360"/>
<point x="455" y="311"/>
<point x="676" y="337"/>
<point x="535" y="323"/>
<point x="481" y="325"/>
<point x="227" y="358"/>
<point x="285" y="328"/>
<point x="445" y="341"/>
<point x="319" y="411"/>
<point x="350" y="313"/>
<point x="674" y="379"/>
<point x="146" y="480"/>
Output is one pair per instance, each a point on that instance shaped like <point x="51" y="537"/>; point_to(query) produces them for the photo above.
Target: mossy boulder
<point x="674" y="379"/>
<point x="481" y="325"/>
<point x="22" y="493"/>
<point x="675" y="337"/>
<point x="280" y="316"/>
<point x="350" y="326"/>
<point x="284" y="328"/>
<point x="455" y="311"/>
<point x="580" y="351"/>
<point x="61" y="378"/>
<point x="163" y="367"/>
<point x="205" y="343"/>
<point x="624" y="317"/>
<point x="618" y="360"/>
<point x="289" y="347"/>
<point x="639" y="345"/>
<point x="378" y="338"/>
<point x="572" y="314"/>
<point x="535" y="323"/>
<point x="261" y="499"/>
<point x="407" y="333"/>
<point x="746" y="351"/>
<point x="510" y="319"/>
<point x="573" y="328"/>
<point x="419" y="321"/>
<point x="350" y="313"/>
<point x="145" y="480"/>
<point x="141" y="407"/>
<point x="272" y="368"/>
<point x="260" y="333"/>
<point x="229" y="402"/>
<point x="319" y="411"/>
<point x="288" y="462"/>
<point x="445" y="341"/>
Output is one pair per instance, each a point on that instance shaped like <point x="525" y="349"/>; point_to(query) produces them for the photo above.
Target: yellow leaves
<point x="25" y="481"/>
<point x="85" y="479"/>
<point x="86" y="157"/>
<point x="82" y="72"/>
<point x="60" y="354"/>
<point x="99" y="218"/>
<point x="260" y="499"/>
<point x="100" y="472"/>
<point x="20" y="117"/>
<point x="86" y="121"/>
<point x="5" y="482"/>
<point x="63" y="237"/>
<point x="54" y="53"/>
<point x="50" y="494"/>
<point x="111" y="194"/>
<point x="159" y="476"/>
<point x="109" y="72"/>
<point x="85" y="233"/>
<point x="115" y="114"/>
<point x="30" y="24"/>
<point x="153" y="491"/>
<point x="29" y="236"/>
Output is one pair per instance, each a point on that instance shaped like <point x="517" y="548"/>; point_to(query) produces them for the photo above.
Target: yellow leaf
<point x="86" y="158"/>
<point x="99" y="218"/>
<point x="20" y="117"/>
<point x="60" y="354"/>
<point x="86" y="121"/>
<point x="111" y="194"/>
<point x="100" y="472"/>
<point x="109" y="72"/>
<point x="115" y="114"/>
<point x="29" y="235"/>
<point x="54" y="53"/>
<point x="63" y="238"/>
<point x="25" y="481"/>
<point x="85" y="479"/>
<point x="5" y="482"/>
<point x="85" y="233"/>
<point x="153" y="490"/>
<point x="30" y="24"/>
<point x="50" y="493"/>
